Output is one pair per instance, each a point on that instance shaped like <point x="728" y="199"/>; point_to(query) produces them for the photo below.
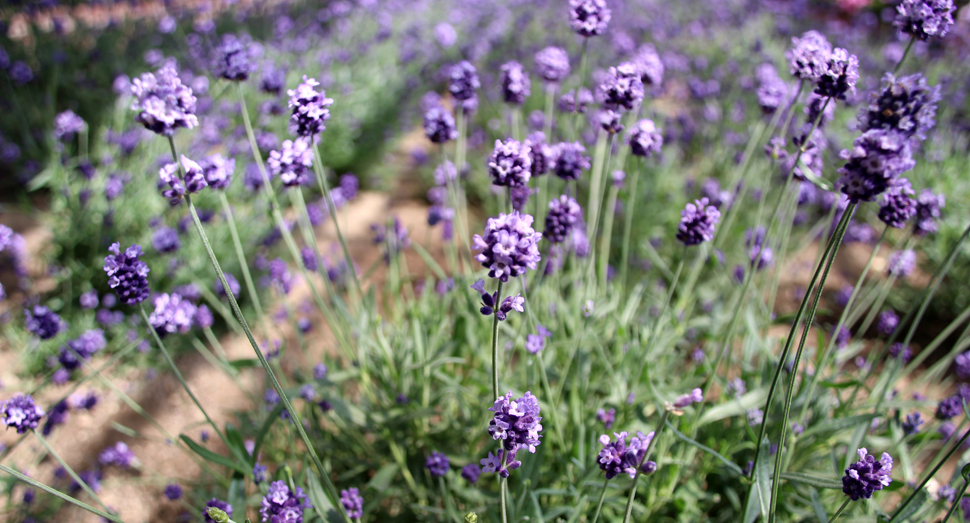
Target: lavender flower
<point x="589" y="17"/>
<point x="839" y="75"/>
<point x="912" y="423"/>
<point x="617" y="458"/>
<point x="437" y="463"/>
<point x="203" y="318"/>
<point x="218" y="171"/>
<point x="570" y="162"/>
<point x="949" y="407"/>
<point x="163" y="103"/>
<point x="127" y="274"/>
<point x="84" y="346"/>
<point x="280" y="505"/>
<point x="694" y="396"/>
<point x="89" y="300"/>
<point x="234" y="287"/>
<point x="439" y="125"/>
<point x="259" y="473"/>
<point x="876" y="159"/>
<point x="394" y="237"/>
<point x="490" y="303"/>
<point x="463" y="81"/>
<point x="645" y="139"/>
<point x="552" y="64"/>
<point x="311" y="109"/>
<point x="649" y="64"/>
<point x="221" y="505"/>
<point x="471" y="472"/>
<point x="576" y="103"/>
<point x="43" y="322"/>
<point x="352" y="502"/>
<point x="516" y="422"/>
<point x="67" y="124"/>
<point x="118" y="455"/>
<point x="509" y="246"/>
<point x="808" y="56"/>
<point x="564" y="214"/>
<point x="962" y="365"/>
<point x="534" y="343"/>
<point x="515" y="83"/>
<point x="924" y="18"/>
<point x="867" y="475"/>
<point x="273" y="81"/>
<point x="697" y="223"/>
<point x="293" y="163"/>
<point x="608" y="417"/>
<point x="898" y="204"/>
<point x="173" y="492"/>
<point x="928" y="207"/>
<point x="172" y="314"/>
<point x="906" y="105"/>
<point x="21" y="413"/>
<point x="510" y="164"/>
<point x="902" y="263"/>
<point x="886" y="322"/>
<point x="166" y="240"/>
<point x="623" y="87"/>
<point x="772" y="90"/>
<point x="234" y="58"/>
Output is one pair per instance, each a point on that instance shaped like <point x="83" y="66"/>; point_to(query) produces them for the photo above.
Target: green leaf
<point x="764" y="477"/>
<point x="913" y="506"/>
<point x="730" y="464"/>
<point x="264" y="429"/>
<point x="734" y="408"/>
<point x="212" y="456"/>
<point x="820" y="514"/>
<point x="321" y="503"/>
<point x="237" y="495"/>
<point x="245" y="363"/>
<point x="838" y="385"/>
<point x="429" y="261"/>
<point x="754" y="506"/>
<point x="383" y="478"/>
<point x="813" y="481"/>
<point x="236" y="444"/>
<point x="837" y="424"/>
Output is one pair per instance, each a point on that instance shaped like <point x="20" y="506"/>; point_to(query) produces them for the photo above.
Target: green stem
<point x="909" y="46"/>
<point x="56" y="493"/>
<point x="646" y="457"/>
<point x="840" y="511"/>
<point x="599" y="506"/>
<point x="789" y="395"/>
<point x="498" y="302"/>
<point x="241" y="255"/>
<point x="928" y="477"/>
<point x="70" y="471"/>
<point x="503" y="498"/>
<point x="656" y="323"/>
<point x="956" y="501"/>
<point x="325" y="187"/>
<point x="607" y="234"/>
<point x="628" y="223"/>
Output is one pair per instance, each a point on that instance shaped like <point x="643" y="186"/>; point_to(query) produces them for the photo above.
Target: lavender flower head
<point x="168" y="177"/>
<point x="902" y="263"/>
<point x="928" y="207"/>
<point x="839" y="75"/>
<point x="516" y="423"/>
<point x="906" y="105"/>
<point x="293" y="163"/>
<point x="281" y="505"/>
<point x="697" y="222"/>
<point x="173" y="492"/>
<point x="900" y="352"/>
<point x="67" y="124"/>
<point x="808" y="56"/>
<point x="234" y="58"/>
<point x="867" y="475"/>
<point x="876" y="159"/>
<point x="617" y="458"/>
<point x="42" y="322"/>
<point x="352" y="502"/>
<point x="772" y="90"/>
<point x="311" y="109"/>
<point x="516" y="86"/>
<point x="924" y="18"/>
<point x="218" y="171"/>
<point x="127" y="274"/>
<point x="552" y="64"/>
<point x="949" y="408"/>
<point x="589" y="17"/>
<point x="439" y="125"/>
<point x="649" y="64"/>
<point x="962" y="365"/>
<point x="694" y="396"/>
<point x="437" y="463"/>
<point x="471" y="472"/>
<point x="510" y="164"/>
<point x="118" y="455"/>
<point x="570" y="162"/>
<point x="645" y="139"/>
<point x="463" y="81"/>
<point x="564" y="214"/>
<point x="898" y="204"/>
<point x="887" y="322"/>
<point x="490" y="304"/>
<point x="166" y="240"/>
<point x="221" y="505"/>
<point x="163" y="103"/>
<point x="21" y="413"/>
<point x="608" y="417"/>
<point x="623" y="87"/>
<point x="911" y="424"/>
<point x="509" y="246"/>
<point x="172" y="314"/>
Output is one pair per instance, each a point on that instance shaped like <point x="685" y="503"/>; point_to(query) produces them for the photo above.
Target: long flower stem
<point x="956" y="500"/>
<point x="178" y="374"/>
<point x="70" y="471"/>
<point x="599" y="506"/>
<point x="655" y="330"/>
<point x="909" y="47"/>
<point x="646" y="457"/>
<point x="498" y="302"/>
<point x="783" y="357"/>
<point x="841" y="510"/>
<point x="241" y="255"/>
<point x="297" y="421"/>
<point x="628" y="223"/>
<point x="56" y="493"/>
<point x="325" y="187"/>
<point x="503" y="495"/>
<point x="789" y="396"/>
<point x="926" y="479"/>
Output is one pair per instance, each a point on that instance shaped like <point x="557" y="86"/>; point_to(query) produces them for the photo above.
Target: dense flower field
<point x="561" y="260"/>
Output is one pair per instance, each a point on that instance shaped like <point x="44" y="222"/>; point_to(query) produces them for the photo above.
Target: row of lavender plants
<point x="616" y="340"/>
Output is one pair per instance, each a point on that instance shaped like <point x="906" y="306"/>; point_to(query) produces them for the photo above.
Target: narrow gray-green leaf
<point x="820" y="514"/>
<point x="731" y="465"/>
<point x="814" y="481"/>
